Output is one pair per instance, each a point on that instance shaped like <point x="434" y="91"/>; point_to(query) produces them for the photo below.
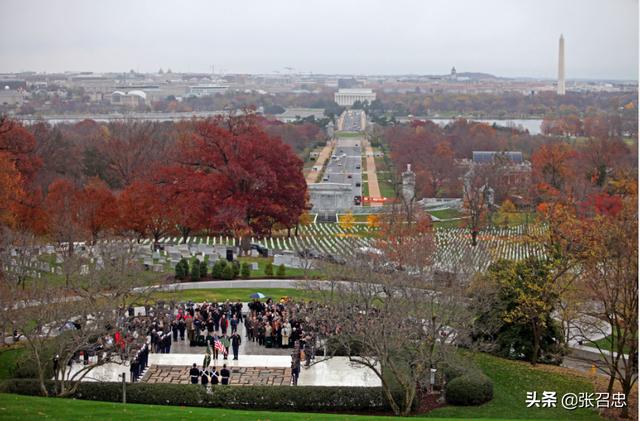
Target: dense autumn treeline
<point x="421" y="102"/>
<point x="508" y="104"/>
<point x="570" y="167"/>
<point x="148" y="179"/>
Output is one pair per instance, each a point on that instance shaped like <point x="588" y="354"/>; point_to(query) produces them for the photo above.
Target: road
<point x="352" y="121"/>
<point x="345" y="165"/>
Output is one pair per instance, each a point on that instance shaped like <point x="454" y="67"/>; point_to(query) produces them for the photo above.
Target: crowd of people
<point x="280" y="324"/>
<point x="283" y="324"/>
<point x="272" y="324"/>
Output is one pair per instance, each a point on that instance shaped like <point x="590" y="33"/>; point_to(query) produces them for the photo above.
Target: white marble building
<point x="347" y="97"/>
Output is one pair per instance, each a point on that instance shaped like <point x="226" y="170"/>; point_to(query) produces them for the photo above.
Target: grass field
<point x="16" y="407"/>
<point x="446" y="213"/>
<point x="449" y="224"/>
<point x="512" y="380"/>
<point x="231" y="294"/>
<point x="8" y="360"/>
<point x="604" y="343"/>
<point x="349" y="134"/>
<point x="514" y="218"/>
<point x="386" y="187"/>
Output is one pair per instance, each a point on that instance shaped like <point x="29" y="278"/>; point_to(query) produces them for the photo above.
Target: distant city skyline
<point x="500" y="37"/>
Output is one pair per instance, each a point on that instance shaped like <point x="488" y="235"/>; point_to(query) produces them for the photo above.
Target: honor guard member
<point x="194" y="373"/>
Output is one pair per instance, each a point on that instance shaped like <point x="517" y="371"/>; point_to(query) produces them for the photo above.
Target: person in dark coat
<point x="204" y="377"/>
<point x="224" y="324"/>
<point x="216" y="319"/>
<point x="134" y="368"/>
<point x="210" y="325"/>
<point x="215" y="376"/>
<point x="194" y="374"/>
<point x="182" y="325"/>
<point x="295" y="367"/>
<point x="56" y="366"/>
<point x="235" y="344"/>
<point x="234" y="324"/>
<point x="225" y="374"/>
<point x="174" y="330"/>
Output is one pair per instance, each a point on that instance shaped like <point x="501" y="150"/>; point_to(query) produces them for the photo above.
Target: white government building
<point x="206" y="90"/>
<point x="347" y="97"/>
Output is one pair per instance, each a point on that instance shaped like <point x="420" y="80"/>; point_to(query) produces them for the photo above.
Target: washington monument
<point x="561" y="89"/>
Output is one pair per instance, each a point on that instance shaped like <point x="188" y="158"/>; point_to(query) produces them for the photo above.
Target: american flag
<point x="218" y="345"/>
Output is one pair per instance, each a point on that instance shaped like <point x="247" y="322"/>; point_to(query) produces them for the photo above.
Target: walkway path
<point x="244" y="283"/>
<point x="372" y="177"/>
<point x="313" y="176"/>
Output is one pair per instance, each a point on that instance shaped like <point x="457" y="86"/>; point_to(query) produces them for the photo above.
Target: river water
<point x="532" y="125"/>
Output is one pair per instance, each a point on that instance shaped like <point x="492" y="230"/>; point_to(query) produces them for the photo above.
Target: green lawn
<point x="8" y="360"/>
<point x="365" y="188"/>
<point x="349" y="134"/>
<point x="511" y="381"/>
<point x="448" y="224"/>
<point x="381" y="165"/>
<point x="446" y="213"/>
<point x="514" y="218"/>
<point x="386" y="187"/>
<point x="231" y="294"/>
<point x="604" y="343"/>
<point x="16" y="407"/>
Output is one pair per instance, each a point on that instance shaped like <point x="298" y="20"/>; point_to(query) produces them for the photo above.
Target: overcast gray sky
<point x="503" y="37"/>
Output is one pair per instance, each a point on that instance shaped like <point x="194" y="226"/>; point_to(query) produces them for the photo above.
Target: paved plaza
<point x="243" y="376"/>
<point x="256" y="365"/>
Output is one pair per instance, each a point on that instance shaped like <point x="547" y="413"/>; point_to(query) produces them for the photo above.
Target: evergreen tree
<point x="246" y="270"/>
<point x="281" y="271"/>
<point x="228" y="273"/>
<point x="218" y="268"/>
<point x="203" y="269"/>
<point x="268" y="270"/>
<point x="195" y="271"/>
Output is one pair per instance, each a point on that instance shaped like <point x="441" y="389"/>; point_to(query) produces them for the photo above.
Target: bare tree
<point x="65" y="320"/>
<point x="390" y="315"/>
<point x="610" y="294"/>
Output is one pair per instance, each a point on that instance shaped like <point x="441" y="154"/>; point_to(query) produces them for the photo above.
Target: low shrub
<point x="236" y="268"/>
<point x="469" y="389"/>
<point x="228" y="272"/>
<point x="182" y="269"/>
<point x="268" y="269"/>
<point x="453" y="372"/>
<point x="203" y="269"/>
<point x="195" y="271"/>
<point x="218" y="268"/>
<point x="245" y="270"/>
<point x="277" y="398"/>
<point x="281" y="271"/>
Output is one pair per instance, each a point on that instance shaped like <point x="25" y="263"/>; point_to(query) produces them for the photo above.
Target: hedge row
<point x="281" y="398"/>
